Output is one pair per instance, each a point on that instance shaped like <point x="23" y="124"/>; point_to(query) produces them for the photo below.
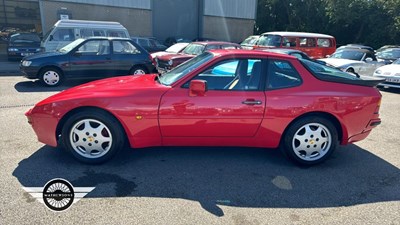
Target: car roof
<point x="249" y="53"/>
<point x="283" y="50"/>
<point x="297" y="34"/>
<point x="355" y="50"/>
<point x="108" y="38"/>
<point x="214" y="43"/>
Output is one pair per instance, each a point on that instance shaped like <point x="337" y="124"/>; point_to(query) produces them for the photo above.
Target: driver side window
<point x="234" y="74"/>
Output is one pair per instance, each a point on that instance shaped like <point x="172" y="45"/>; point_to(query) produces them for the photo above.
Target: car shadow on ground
<point x="238" y="177"/>
<point x="37" y="86"/>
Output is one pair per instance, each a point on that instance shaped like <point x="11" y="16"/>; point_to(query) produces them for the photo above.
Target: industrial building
<point x="228" y="20"/>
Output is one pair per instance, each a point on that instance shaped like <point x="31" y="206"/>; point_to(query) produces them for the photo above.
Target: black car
<point x="98" y="57"/>
<point x="150" y="44"/>
<point x="22" y="44"/>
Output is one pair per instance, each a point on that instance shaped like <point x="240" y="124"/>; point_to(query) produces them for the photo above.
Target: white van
<point x="66" y="31"/>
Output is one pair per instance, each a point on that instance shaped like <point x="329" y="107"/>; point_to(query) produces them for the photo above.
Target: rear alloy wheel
<point x="137" y="70"/>
<point x="92" y="137"/>
<point x="310" y="140"/>
<point x="51" y="77"/>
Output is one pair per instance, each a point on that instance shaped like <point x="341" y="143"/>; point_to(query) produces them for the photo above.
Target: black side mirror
<point x="50" y="37"/>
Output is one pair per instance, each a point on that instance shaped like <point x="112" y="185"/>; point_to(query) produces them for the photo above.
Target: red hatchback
<point x="219" y="98"/>
<point x="165" y="63"/>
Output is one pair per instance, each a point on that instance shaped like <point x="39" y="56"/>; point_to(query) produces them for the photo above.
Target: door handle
<point x="252" y="102"/>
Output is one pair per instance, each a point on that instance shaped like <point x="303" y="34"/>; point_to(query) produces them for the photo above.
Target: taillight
<point x="378" y="106"/>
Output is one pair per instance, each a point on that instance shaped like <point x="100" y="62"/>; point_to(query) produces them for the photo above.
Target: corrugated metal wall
<point x="136" y="4"/>
<point x="245" y="9"/>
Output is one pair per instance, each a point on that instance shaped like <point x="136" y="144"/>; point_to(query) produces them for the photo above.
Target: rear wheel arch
<point x="325" y="115"/>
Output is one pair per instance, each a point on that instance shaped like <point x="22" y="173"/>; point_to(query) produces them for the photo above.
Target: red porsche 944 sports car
<point x="219" y="98"/>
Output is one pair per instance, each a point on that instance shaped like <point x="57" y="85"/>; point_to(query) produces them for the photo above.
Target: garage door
<point x="177" y="18"/>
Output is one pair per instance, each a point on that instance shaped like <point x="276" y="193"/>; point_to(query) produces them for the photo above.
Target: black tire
<point x="89" y="145"/>
<point x="350" y="70"/>
<point x="51" y="76"/>
<point x="311" y="147"/>
<point x="138" y="70"/>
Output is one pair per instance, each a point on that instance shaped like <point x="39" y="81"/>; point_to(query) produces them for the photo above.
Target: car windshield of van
<point x="194" y="49"/>
<point x="322" y="71"/>
<point x="184" y="68"/>
<point x="71" y="45"/>
<point x="270" y="40"/>
<point x="346" y="54"/>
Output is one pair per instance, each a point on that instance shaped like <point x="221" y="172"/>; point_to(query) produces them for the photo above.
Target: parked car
<point x="91" y="58"/>
<point x="167" y="62"/>
<point x="391" y="74"/>
<point x="358" y="61"/>
<point x="386" y="47"/>
<point x="279" y="103"/>
<point x="173" y="49"/>
<point x="388" y="55"/>
<point x="315" y="45"/>
<point x="250" y="42"/>
<point x="150" y="44"/>
<point x="22" y="44"/>
<point x="356" y="46"/>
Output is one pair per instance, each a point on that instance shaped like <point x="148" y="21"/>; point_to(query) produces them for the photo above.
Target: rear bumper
<point x="358" y="137"/>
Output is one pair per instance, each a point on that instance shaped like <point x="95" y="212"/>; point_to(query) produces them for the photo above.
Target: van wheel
<point x="51" y="76"/>
<point x="138" y="70"/>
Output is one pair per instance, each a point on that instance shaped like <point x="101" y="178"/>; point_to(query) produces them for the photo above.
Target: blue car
<point x="98" y="57"/>
<point x="22" y="44"/>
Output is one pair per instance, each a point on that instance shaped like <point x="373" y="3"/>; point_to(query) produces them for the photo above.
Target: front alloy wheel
<point x="93" y="136"/>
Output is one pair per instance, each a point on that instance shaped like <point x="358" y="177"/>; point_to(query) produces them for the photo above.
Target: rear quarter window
<point x="282" y="74"/>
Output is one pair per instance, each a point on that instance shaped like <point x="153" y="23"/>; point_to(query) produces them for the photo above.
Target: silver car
<point x="391" y="73"/>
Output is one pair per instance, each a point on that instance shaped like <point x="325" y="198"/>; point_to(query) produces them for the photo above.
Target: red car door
<point x="233" y="105"/>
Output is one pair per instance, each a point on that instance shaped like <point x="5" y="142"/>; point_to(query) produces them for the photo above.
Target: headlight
<point x="26" y="63"/>
<point x="170" y="62"/>
<point x="378" y="71"/>
<point x="38" y="49"/>
<point x="13" y="50"/>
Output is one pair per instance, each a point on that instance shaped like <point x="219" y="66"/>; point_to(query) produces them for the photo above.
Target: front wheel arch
<point x="62" y="121"/>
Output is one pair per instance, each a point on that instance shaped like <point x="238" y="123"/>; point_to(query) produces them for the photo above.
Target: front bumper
<point x="30" y="72"/>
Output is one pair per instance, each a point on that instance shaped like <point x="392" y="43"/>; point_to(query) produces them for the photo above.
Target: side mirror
<point x="197" y="88"/>
<point x="327" y="56"/>
<point x="50" y="37"/>
<point x="368" y="59"/>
